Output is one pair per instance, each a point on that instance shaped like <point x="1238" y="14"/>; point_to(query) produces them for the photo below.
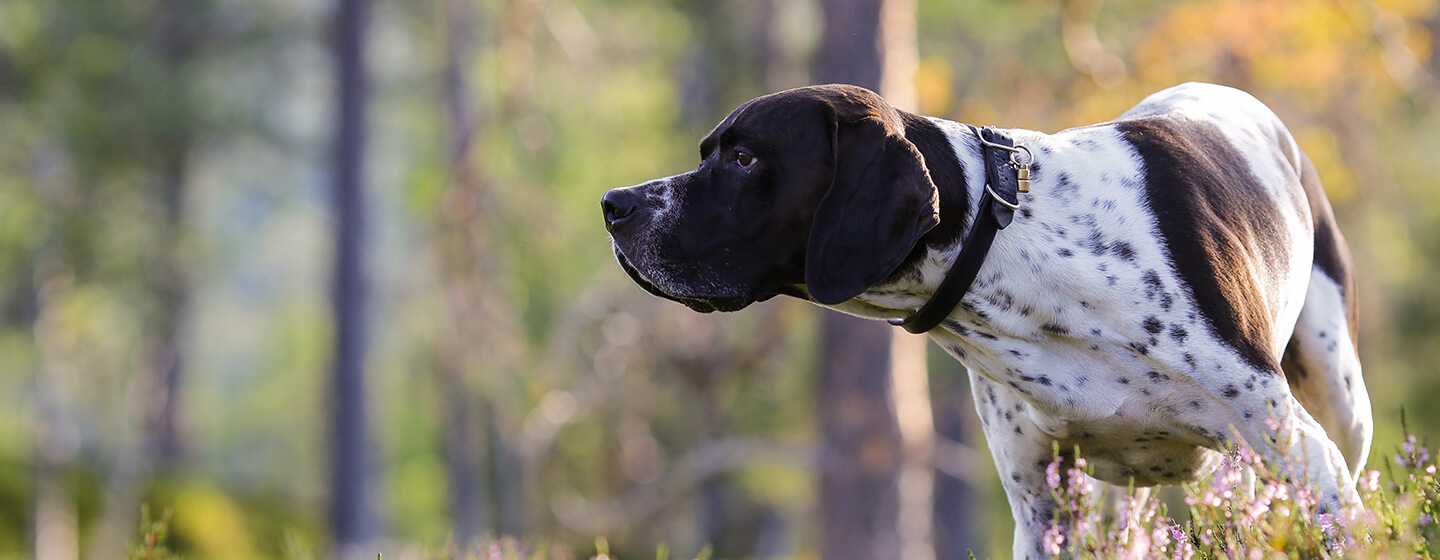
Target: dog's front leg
<point x="1297" y="447"/>
<point x="1021" y="452"/>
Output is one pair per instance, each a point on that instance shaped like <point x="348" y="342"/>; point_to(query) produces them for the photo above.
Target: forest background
<point x="330" y="278"/>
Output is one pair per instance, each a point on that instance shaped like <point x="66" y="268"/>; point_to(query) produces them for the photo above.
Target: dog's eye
<point x="744" y="159"/>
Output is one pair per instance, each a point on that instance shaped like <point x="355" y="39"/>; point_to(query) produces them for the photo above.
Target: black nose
<point x="618" y="205"/>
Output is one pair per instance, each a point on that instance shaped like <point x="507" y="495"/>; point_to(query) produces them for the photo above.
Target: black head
<point x="808" y="192"/>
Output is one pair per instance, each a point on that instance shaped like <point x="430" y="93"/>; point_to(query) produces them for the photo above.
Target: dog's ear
<point x="880" y="201"/>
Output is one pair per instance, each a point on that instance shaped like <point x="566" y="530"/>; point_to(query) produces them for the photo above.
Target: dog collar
<point x="1005" y="178"/>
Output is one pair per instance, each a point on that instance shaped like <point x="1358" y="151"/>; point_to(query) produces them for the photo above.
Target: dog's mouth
<point x="698" y="304"/>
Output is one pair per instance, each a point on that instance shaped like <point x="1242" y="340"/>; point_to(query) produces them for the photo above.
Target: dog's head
<point x="812" y="191"/>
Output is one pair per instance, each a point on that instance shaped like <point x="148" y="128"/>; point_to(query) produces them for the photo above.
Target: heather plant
<point x="1247" y="509"/>
<point x="1250" y="509"/>
<point x="153" y="535"/>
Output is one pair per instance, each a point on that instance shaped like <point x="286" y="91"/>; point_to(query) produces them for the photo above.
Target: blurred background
<point x="329" y="278"/>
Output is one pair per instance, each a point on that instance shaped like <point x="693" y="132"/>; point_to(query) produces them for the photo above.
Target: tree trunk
<point x="860" y="451"/>
<point x="464" y="432"/>
<point x="850" y="47"/>
<point x="957" y="513"/>
<point x="54" y="531"/>
<point x="158" y="443"/>
<point x="860" y="447"/>
<point x="350" y="515"/>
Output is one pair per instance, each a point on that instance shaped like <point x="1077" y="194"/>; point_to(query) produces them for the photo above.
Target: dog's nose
<point x="618" y="205"/>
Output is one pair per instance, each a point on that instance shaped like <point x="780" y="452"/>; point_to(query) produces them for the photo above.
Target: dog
<point x="1173" y="281"/>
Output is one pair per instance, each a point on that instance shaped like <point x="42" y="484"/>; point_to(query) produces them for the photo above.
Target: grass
<point x="1227" y="517"/>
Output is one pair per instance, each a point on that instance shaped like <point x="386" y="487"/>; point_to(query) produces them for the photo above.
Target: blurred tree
<point x="112" y="132"/>
<point x="958" y="515"/>
<point x="860" y="449"/>
<point x="351" y="518"/>
<point x="461" y="233"/>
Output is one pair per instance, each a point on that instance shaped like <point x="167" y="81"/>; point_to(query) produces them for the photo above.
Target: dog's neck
<point x="956" y="165"/>
<point x="955" y="162"/>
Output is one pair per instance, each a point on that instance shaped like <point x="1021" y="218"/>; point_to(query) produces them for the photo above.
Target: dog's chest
<point x="1132" y="418"/>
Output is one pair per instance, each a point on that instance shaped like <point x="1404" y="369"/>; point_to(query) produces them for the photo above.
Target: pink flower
<point x="1139" y="548"/>
<point x="1052" y="540"/>
<point x="1052" y="475"/>
<point x="1412" y="455"/>
<point x="1371" y="481"/>
<point x="1160" y="536"/>
<point x="1080" y="484"/>
<point x="1257" y="508"/>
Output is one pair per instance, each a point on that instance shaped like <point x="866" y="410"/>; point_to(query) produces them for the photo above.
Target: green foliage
<point x="153" y="536"/>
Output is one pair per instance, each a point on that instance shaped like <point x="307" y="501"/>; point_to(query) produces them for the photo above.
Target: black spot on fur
<point x="1156" y="377"/>
<point x="1178" y="333"/>
<point x="1230" y="392"/>
<point x="1097" y="243"/>
<point x="954" y="326"/>
<point x="1123" y="380"/>
<point x="1139" y="348"/>
<point x="1055" y="329"/>
<point x="1153" y="286"/>
<point x="1063" y="186"/>
<point x="1125" y="251"/>
<point x="1064" y="252"/>
<point x="1153" y="325"/>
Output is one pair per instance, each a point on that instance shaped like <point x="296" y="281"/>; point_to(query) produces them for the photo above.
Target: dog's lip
<point x="698" y="304"/>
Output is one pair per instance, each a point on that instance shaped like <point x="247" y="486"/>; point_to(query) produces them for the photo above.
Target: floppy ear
<point x="881" y="200"/>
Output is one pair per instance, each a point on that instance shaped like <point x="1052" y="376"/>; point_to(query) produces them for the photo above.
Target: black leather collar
<point x="995" y="211"/>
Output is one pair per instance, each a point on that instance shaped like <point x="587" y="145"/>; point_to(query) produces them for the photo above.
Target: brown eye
<point x="744" y="159"/>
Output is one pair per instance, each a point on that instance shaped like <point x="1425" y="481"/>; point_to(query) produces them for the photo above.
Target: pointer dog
<point x="1173" y="278"/>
